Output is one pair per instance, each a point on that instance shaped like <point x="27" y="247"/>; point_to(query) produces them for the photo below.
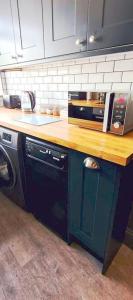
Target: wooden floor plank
<point x="36" y="264"/>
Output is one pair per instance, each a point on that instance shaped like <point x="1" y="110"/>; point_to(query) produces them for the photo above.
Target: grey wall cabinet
<point x="96" y="24"/>
<point x="7" y="45"/>
<point x="111" y="23"/>
<point x="21" y="31"/>
<point x="28" y="28"/>
<point x="65" y="26"/>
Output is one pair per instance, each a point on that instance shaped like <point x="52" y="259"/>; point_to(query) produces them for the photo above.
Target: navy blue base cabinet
<point x="100" y="195"/>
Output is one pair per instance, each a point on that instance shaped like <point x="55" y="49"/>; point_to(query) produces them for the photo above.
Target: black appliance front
<point x="12" y="179"/>
<point x="47" y="182"/>
<point x="86" y="113"/>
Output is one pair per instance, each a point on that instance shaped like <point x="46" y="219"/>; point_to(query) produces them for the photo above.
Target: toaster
<point x="11" y="101"/>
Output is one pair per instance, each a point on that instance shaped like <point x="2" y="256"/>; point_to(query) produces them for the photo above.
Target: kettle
<point x="28" y="101"/>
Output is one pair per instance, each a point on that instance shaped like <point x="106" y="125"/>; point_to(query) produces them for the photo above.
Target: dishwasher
<point x="47" y="184"/>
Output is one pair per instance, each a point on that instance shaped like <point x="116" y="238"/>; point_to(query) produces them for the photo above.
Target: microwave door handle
<point x="106" y="112"/>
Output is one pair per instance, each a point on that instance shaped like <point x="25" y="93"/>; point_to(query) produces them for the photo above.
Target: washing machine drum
<point x="7" y="170"/>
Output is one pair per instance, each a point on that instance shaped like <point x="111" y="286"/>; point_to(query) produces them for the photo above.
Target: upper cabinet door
<point x="65" y="26"/>
<point x="7" y="45"/>
<point x="111" y="23"/>
<point x="28" y="27"/>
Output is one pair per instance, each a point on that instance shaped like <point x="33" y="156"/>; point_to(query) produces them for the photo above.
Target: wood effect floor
<point x="37" y="264"/>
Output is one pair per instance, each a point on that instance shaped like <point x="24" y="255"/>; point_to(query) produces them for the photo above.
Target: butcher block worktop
<point x="113" y="148"/>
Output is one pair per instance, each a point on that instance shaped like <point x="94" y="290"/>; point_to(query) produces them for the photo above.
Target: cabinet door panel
<point x="92" y="200"/>
<point x="111" y="22"/>
<point x="63" y="28"/>
<point x="7" y="45"/>
<point x="28" y="25"/>
<point x="65" y="21"/>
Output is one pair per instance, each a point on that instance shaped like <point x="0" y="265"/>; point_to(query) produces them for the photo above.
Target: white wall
<point x="52" y="81"/>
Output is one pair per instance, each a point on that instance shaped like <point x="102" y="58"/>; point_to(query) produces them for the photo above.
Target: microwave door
<point x="80" y="112"/>
<point x="108" y="111"/>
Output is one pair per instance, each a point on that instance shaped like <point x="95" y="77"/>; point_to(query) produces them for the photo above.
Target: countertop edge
<point x="76" y="147"/>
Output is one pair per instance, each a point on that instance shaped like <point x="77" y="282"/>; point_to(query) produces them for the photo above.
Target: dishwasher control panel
<point x="46" y="153"/>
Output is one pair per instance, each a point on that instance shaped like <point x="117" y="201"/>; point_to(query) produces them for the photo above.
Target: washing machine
<point x="12" y="175"/>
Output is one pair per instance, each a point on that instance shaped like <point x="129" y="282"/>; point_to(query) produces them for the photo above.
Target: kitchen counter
<point x="117" y="149"/>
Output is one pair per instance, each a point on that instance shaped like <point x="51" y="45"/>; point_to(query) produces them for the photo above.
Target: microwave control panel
<point x="119" y="113"/>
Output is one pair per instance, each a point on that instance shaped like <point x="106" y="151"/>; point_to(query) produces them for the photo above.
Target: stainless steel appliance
<point x="110" y="112"/>
<point x="28" y="101"/>
<point x="11" y="101"/>
<point x="47" y="183"/>
<point x="12" y="177"/>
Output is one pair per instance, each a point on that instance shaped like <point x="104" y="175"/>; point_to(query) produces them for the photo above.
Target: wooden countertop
<point x="110" y="147"/>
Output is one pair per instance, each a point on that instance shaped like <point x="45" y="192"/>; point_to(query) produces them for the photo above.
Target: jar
<point x="49" y="110"/>
<point x="56" y="111"/>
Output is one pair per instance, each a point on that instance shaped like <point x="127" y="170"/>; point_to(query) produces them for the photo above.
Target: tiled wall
<point x="1" y="90"/>
<point x="52" y="81"/>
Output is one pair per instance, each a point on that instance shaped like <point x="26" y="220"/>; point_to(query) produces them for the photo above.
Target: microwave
<point x="111" y="112"/>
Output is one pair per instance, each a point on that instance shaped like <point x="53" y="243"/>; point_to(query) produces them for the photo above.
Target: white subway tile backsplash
<point x="40" y="73"/>
<point x="39" y="94"/>
<point x="88" y="87"/>
<point x="43" y="87"/>
<point x="68" y="79"/>
<point x="121" y="86"/>
<point x="62" y="70"/>
<point x="75" y="69"/>
<point x="124" y="65"/>
<point x="113" y="77"/>
<point x="81" y="78"/>
<point x="129" y="55"/>
<point x="105" y="66"/>
<point x="75" y="87"/>
<point x="68" y="63"/>
<point x="89" y="68"/>
<point x="63" y="87"/>
<point x="103" y="86"/>
<point x="96" y="77"/>
<point x="53" y="87"/>
<point x="57" y="79"/>
<point x="35" y="87"/>
<point x="97" y="58"/>
<point x="48" y="79"/>
<point x="84" y="60"/>
<point x="115" y="56"/>
<point x="127" y="76"/>
<point x="52" y="71"/>
<point x="38" y="80"/>
<point x="51" y="81"/>
<point x="57" y="64"/>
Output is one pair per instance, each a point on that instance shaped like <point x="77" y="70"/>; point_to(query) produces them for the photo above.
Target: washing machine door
<point x="7" y="170"/>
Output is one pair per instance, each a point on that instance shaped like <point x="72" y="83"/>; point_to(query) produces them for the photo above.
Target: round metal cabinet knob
<point x="117" y="125"/>
<point x="79" y="42"/>
<point x="91" y="163"/>
<point x="92" y="39"/>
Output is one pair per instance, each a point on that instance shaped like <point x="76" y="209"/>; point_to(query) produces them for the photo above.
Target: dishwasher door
<point x="48" y="191"/>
